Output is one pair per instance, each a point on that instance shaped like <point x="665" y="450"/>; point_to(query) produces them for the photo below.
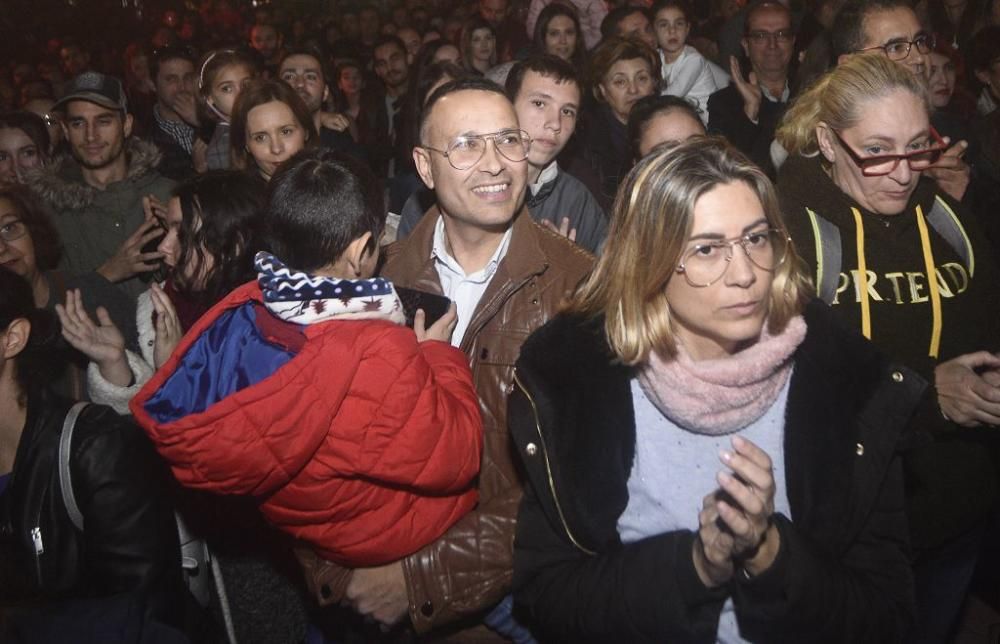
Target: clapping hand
<point x="168" y="326"/>
<point x="103" y="343"/>
<point x="748" y="88"/>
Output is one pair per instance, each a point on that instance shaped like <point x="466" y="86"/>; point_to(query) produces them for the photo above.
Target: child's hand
<point x="440" y="330"/>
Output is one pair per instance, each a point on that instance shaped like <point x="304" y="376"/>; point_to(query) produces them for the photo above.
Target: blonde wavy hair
<point x="836" y="99"/>
<point x="652" y="220"/>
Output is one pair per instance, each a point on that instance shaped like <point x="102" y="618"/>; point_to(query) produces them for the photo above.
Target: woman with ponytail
<point x="903" y="263"/>
<point x="125" y="560"/>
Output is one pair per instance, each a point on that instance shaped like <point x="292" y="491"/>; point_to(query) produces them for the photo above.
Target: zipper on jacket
<point x="36" y="539"/>
<point x="548" y="468"/>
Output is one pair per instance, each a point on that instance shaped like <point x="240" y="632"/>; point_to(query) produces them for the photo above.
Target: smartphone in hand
<point x="434" y="305"/>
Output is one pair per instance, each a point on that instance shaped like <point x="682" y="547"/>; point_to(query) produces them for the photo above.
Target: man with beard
<point x="97" y="194"/>
<point x="302" y="68"/>
<point x="747" y="111"/>
<point x="389" y="54"/>
<point x="266" y="40"/>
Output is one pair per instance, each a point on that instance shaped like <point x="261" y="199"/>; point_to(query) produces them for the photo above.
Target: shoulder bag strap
<point x="65" y="478"/>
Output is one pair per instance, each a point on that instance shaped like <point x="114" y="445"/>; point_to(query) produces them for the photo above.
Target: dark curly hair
<point x="221" y="218"/>
<point x="32" y="213"/>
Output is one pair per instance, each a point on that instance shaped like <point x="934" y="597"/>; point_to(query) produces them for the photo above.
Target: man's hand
<point x="199" y="156"/>
<point x="563" y="229"/>
<point x="379" y="593"/>
<point x="187" y="108"/>
<point x="334" y="121"/>
<point x="951" y="172"/>
<point x="129" y="260"/>
<point x="748" y="88"/>
<point x="967" y="391"/>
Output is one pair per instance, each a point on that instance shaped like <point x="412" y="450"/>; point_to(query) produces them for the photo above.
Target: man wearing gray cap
<point x="96" y="195"/>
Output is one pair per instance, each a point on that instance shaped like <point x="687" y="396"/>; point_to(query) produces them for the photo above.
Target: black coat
<point x="129" y="543"/>
<point x="726" y="117"/>
<point x="841" y="574"/>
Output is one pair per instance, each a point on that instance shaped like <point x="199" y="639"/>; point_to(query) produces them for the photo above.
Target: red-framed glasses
<point x="883" y="164"/>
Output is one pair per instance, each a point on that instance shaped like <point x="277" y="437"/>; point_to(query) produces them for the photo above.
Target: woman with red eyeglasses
<point x="901" y="261"/>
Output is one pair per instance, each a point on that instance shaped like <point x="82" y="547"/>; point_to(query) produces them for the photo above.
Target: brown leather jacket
<point x="469" y="569"/>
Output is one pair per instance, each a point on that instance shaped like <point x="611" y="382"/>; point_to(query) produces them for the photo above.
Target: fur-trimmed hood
<point x="61" y="182"/>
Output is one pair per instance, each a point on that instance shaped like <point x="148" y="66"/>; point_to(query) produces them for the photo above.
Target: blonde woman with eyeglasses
<point x="710" y="456"/>
<point x="907" y="266"/>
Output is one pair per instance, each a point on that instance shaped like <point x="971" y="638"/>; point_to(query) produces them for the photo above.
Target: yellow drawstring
<point x="866" y="314"/>
<point x="932" y="284"/>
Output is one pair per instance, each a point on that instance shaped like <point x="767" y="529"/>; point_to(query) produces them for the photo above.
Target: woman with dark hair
<point x="24" y="145"/>
<point x="212" y="227"/>
<point x="622" y="71"/>
<point x="123" y="566"/>
<point x="270" y="124"/>
<point x="353" y="98"/>
<point x="711" y="457"/>
<point x="661" y="120"/>
<point x="558" y="32"/>
<point x="478" y="46"/>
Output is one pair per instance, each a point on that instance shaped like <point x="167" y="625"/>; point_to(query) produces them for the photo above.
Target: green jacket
<point x="93" y="223"/>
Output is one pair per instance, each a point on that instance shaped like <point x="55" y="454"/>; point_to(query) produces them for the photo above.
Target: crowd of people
<point x="497" y="320"/>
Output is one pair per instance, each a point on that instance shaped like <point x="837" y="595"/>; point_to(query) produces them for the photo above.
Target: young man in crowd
<point x="747" y="111"/>
<point x="546" y="92"/>
<point x="266" y="40"/>
<point x="302" y="68"/>
<point x="96" y="195"/>
<point x="507" y="274"/>
<point x="175" y="113"/>
<point x="390" y="65"/>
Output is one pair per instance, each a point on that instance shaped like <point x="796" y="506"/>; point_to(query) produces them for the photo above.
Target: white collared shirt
<point x="464" y="290"/>
<point x="548" y="173"/>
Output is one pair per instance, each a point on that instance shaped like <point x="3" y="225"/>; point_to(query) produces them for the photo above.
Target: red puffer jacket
<point x="357" y="439"/>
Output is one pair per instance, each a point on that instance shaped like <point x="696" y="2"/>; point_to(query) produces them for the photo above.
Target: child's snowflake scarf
<point x="301" y="298"/>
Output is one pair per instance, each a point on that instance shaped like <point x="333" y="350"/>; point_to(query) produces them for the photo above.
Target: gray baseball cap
<point x="96" y="88"/>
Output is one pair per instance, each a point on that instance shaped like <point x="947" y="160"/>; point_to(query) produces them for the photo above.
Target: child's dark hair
<point x="37" y="364"/>
<point x="318" y="203"/>
<point x="680" y="5"/>
<point x="646" y="108"/>
<point x="221" y="218"/>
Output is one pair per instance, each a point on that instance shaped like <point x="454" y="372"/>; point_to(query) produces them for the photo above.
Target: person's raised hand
<point x="951" y="172"/>
<point x="334" y="121"/>
<point x="748" y="88"/>
<point x="168" y="326"/>
<point x="129" y="260"/>
<point x="102" y="343"/>
<point x="441" y="330"/>
<point x="186" y="107"/>
<point x="966" y="389"/>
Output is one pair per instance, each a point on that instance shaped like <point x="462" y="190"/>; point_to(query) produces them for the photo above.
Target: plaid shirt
<point x="179" y="131"/>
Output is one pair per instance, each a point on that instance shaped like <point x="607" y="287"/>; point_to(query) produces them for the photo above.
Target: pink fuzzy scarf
<point x="723" y="395"/>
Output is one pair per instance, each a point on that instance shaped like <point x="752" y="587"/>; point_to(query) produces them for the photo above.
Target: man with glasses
<point x="507" y="274"/>
<point x="891" y="28"/>
<point x="747" y="111"/>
